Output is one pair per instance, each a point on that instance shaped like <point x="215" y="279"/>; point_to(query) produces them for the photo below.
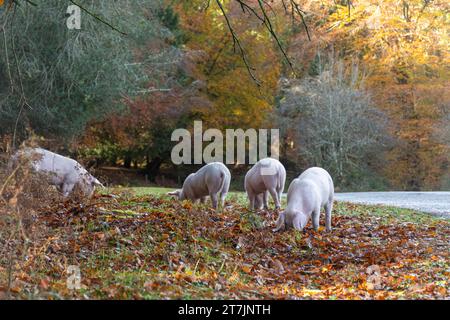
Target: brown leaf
<point x="277" y="266"/>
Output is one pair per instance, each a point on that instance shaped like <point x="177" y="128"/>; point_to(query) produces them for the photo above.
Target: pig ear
<point x="280" y="222"/>
<point x="97" y="183"/>
<point x="174" y="193"/>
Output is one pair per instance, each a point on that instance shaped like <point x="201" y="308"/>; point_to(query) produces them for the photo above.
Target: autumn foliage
<point x="399" y="46"/>
<point x="402" y="47"/>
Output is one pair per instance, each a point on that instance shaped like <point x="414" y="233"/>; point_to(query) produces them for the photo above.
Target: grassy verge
<point x="140" y="244"/>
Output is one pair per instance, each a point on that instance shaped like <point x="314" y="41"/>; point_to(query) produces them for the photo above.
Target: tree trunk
<point x="127" y="162"/>
<point x="152" y="168"/>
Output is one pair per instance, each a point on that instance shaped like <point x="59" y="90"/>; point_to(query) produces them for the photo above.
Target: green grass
<point x="386" y="213"/>
<point x="142" y="191"/>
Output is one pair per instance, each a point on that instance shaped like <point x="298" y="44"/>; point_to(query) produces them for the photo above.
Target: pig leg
<point x="222" y="199"/>
<point x="224" y="192"/>
<point x="214" y="200"/>
<point x="280" y="194"/>
<point x="328" y="209"/>
<point x="252" y="199"/>
<point x="316" y="218"/>
<point x="281" y="186"/>
<point x="253" y="203"/>
<point x="274" y="195"/>
<point x="266" y="200"/>
<point x="280" y="222"/>
<point x="67" y="189"/>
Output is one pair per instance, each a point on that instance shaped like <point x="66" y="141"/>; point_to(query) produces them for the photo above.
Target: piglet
<point x="266" y="176"/>
<point x="211" y="180"/>
<point x="307" y="194"/>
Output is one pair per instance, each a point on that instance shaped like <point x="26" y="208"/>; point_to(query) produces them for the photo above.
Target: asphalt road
<point x="435" y="203"/>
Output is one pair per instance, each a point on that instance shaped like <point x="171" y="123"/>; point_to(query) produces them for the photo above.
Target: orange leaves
<point x="247" y="268"/>
<point x="184" y="276"/>
<point x="165" y="236"/>
<point x="181" y="250"/>
<point x="410" y="277"/>
<point x="44" y="284"/>
<point x="187" y="205"/>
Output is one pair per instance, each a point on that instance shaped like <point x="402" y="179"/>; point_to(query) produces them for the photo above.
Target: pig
<point x="210" y="180"/>
<point x="266" y="176"/>
<point x="307" y="194"/>
<point x="63" y="172"/>
<point x="261" y="200"/>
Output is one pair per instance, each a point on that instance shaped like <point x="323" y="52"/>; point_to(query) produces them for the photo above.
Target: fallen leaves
<point x="154" y="247"/>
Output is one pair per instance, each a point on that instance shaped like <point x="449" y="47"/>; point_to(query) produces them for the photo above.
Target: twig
<point x="97" y="17"/>
<point x="8" y="179"/>
<point x="269" y="27"/>
<point x="237" y="42"/>
<point x="296" y="8"/>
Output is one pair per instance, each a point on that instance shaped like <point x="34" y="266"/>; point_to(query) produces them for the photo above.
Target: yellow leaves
<point x="386" y="30"/>
<point x="236" y="100"/>
<point x="311" y="292"/>
<point x="2" y="2"/>
<point x="234" y="278"/>
<point x="434" y="258"/>
<point x="326" y="269"/>
<point x="442" y="291"/>
<point x="410" y="277"/>
<point x="189" y="277"/>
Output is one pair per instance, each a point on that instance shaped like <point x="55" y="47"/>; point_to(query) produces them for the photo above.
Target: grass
<point x="141" y="244"/>
<point x="142" y="191"/>
<point x="385" y="212"/>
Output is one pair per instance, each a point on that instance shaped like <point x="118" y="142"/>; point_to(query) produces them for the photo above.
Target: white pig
<point x="307" y="194"/>
<point x="63" y="172"/>
<point x="210" y="180"/>
<point x="266" y="176"/>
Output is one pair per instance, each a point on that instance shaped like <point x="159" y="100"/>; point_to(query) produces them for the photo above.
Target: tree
<point x="402" y="46"/>
<point x="141" y="132"/>
<point x="334" y="124"/>
<point x="54" y="85"/>
<point x="236" y="101"/>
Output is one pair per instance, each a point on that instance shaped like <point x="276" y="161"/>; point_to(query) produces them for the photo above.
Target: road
<point x="435" y="203"/>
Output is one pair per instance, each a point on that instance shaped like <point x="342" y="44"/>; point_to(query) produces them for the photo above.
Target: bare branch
<point x="269" y="27"/>
<point x="237" y="42"/>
